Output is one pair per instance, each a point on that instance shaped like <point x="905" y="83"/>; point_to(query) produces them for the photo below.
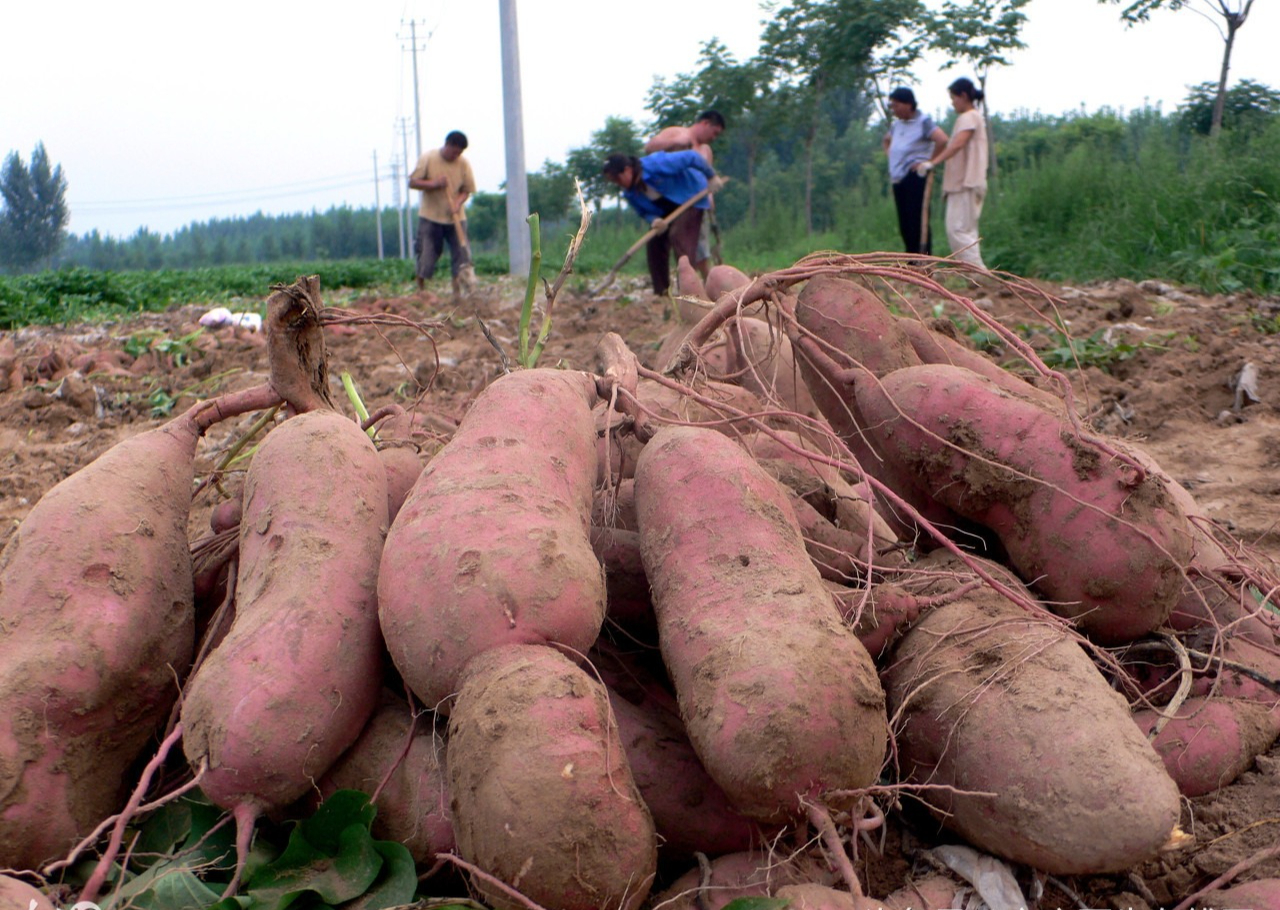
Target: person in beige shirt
<point x="965" y="182"/>
<point x="446" y="181"/>
<point x="698" y="137"/>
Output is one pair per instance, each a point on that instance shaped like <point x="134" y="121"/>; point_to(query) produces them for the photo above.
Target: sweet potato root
<point x="492" y="546"/>
<point x="409" y="763"/>
<point x="96" y="622"/>
<point x="298" y="675"/>
<point x="542" y="795"/>
<point x="1001" y="711"/>
<point x="1099" y="547"/>
<point x="747" y="630"/>
<point x="1211" y="741"/>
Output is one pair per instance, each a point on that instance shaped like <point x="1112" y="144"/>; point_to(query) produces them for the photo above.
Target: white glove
<point x="716" y="183"/>
<point x="924" y="167"/>
<point x="658" y="224"/>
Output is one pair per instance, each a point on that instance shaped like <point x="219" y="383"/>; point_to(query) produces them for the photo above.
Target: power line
<point x="336" y="181"/>
<point x="174" y="202"/>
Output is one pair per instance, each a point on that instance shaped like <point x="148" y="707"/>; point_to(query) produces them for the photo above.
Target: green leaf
<point x="164" y="830"/>
<point x="335" y="815"/>
<point x="336" y="876"/>
<point x="396" y="885"/>
<point x="757" y="903"/>
<point x="167" y="886"/>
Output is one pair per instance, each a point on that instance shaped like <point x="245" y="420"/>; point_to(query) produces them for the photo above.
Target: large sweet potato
<point x="779" y="699"/>
<point x="298" y="675"/>
<point x="96" y="623"/>
<point x="1097" y="545"/>
<point x="1209" y="742"/>
<point x="1033" y="755"/>
<point x="542" y="795"/>
<point x="492" y="546"/>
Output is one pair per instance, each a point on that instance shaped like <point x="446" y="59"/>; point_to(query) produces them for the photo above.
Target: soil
<point x="1172" y="395"/>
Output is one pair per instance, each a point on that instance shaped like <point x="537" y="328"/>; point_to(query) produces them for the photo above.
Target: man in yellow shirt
<point x="446" y="181"/>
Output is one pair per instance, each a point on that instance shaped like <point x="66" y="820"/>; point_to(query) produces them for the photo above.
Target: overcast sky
<point x="164" y="113"/>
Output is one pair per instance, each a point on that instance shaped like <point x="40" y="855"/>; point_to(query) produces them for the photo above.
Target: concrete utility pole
<point x="417" y="108"/>
<point x="395" y="201"/>
<point x="411" y="223"/>
<point x="513" y="128"/>
<point x="377" y="205"/>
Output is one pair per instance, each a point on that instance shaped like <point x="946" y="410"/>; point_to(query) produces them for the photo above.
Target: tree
<point x="1233" y="14"/>
<point x="34" y="212"/>
<point x="978" y="33"/>
<point x="815" y="45"/>
<point x="619" y="134"/>
<point x="1247" y="105"/>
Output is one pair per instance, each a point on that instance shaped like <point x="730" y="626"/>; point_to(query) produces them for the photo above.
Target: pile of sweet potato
<point x="714" y="615"/>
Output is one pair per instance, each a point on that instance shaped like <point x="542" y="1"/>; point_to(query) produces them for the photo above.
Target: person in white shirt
<point x="911" y="139"/>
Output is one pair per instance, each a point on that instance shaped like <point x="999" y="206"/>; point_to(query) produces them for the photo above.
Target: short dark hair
<point x="616" y="163"/>
<point x="964" y="86"/>
<point x="903" y="94"/>
<point x="714" y="117"/>
<point x="457" y="139"/>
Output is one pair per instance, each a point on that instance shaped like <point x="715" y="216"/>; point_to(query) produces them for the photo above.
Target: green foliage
<point x="34" y="212"/>
<point x="1065" y="352"/>
<point x="1247" y="105"/>
<point x="185" y="855"/>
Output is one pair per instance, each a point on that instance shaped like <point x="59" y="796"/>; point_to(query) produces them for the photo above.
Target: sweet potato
<point x="626" y="587"/>
<point x="409" y="763"/>
<point x="747" y="874"/>
<point x="722" y="279"/>
<point x="492" y="546"/>
<point x="690" y="812"/>
<point x="21" y="896"/>
<point x="96" y="622"/>
<point x="932" y="346"/>
<point x="1211" y="741"/>
<point x="1263" y="894"/>
<point x="1098" y="546"/>
<point x="1034" y="756"/>
<point x="760" y="359"/>
<point x="298" y="675"/>
<point x="542" y="796"/>
<point x="747" y="630"/>
<point x="830" y="351"/>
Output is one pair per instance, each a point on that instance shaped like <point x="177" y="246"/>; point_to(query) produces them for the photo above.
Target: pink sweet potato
<point x="725" y="278"/>
<point x="492" y="546"/>
<point x="542" y="795"/>
<point x="751" y="873"/>
<point x="834" y="348"/>
<point x="96" y="621"/>
<point x="298" y="675"/>
<point x="1211" y="741"/>
<point x="21" y="896"/>
<point x="760" y="359"/>
<point x="626" y="587"/>
<point x="1034" y="756"/>
<point x="690" y="812"/>
<point x="1097" y="545"/>
<point x="1263" y="894"/>
<point x="747" y="630"/>
<point x="408" y="762"/>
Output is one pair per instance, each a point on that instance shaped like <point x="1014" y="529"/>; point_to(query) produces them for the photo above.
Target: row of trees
<point x="806" y="114"/>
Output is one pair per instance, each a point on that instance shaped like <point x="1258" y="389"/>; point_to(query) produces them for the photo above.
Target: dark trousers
<point x="681" y="238"/>
<point x="429" y="244"/>
<point x="908" y="193"/>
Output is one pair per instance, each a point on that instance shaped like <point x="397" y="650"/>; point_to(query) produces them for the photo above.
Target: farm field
<point x="1154" y="364"/>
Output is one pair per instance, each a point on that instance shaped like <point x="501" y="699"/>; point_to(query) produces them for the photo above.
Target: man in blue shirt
<point x="655" y="186"/>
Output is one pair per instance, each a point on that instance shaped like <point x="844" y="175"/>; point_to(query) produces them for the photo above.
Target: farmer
<point x="912" y="139"/>
<point x="708" y="125"/>
<point x="965" y="182"/>
<point x="446" y="181"/>
<point x="655" y="186"/>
